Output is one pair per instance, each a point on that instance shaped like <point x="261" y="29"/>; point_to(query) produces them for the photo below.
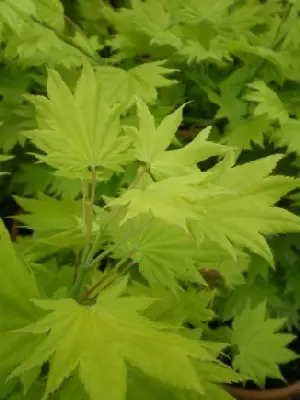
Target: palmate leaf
<point x="49" y="214"/>
<point x="79" y="131"/>
<point x="120" y="86"/>
<point x="243" y="216"/>
<point x="247" y="132"/>
<point x="33" y="178"/>
<point x="194" y="51"/>
<point x="151" y="142"/>
<point x="268" y="103"/>
<point x="17" y="287"/>
<point x="14" y="81"/>
<point x="260" y="349"/>
<point x="194" y="10"/>
<point x="56" y="223"/>
<point x="253" y="292"/>
<point x="260" y="180"/>
<point x="241" y="19"/>
<point x="56" y="53"/>
<point x="139" y="27"/>
<point x="165" y="202"/>
<point x="189" y="306"/>
<point x="14" y="348"/>
<point x="14" y="120"/>
<point x="12" y="13"/>
<point x="164" y="252"/>
<point x="288" y="136"/>
<point x="228" y="99"/>
<point x="99" y="340"/>
<point x="150" y="17"/>
<point x="53" y="279"/>
<point x="40" y="45"/>
<point x="143" y="387"/>
<point x="36" y="35"/>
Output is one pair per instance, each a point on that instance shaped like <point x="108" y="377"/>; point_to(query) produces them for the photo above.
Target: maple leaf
<point x="56" y="223"/>
<point x="242" y="19"/>
<point x="243" y="216"/>
<point x="268" y="102"/>
<point x="35" y="37"/>
<point x="194" y="10"/>
<point x="51" y="278"/>
<point x="40" y="45"/>
<point x="189" y="306"/>
<point x="33" y="178"/>
<point x="151" y="142"/>
<point x="121" y="86"/>
<point x="194" y="51"/>
<point x="14" y="121"/>
<point x="49" y="214"/>
<point x="143" y="387"/>
<point x="253" y="292"/>
<point x="13" y="83"/>
<point x="38" y="178"/>
<point x="260" y="180"/>
<point x="163" y="200"/>
<point x="16" y="288"/>
<point x="151" y="17"/>
<point x="247" y="132"/>
<point x="12" y="14"/>
<point x="164" y="253"/>
<point x="288" y="136"/>
<point x="87" y="140"/>
<point x="54" y="53"/>
<point x="260" y="349"/>
<point x="99" y="340"/>
<point x="14" y="348"/>
<point x="230" y="106"/>
<point x="139" y="27"/>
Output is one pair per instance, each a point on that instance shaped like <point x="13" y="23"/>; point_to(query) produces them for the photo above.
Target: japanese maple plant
<point x="137" y="324"/>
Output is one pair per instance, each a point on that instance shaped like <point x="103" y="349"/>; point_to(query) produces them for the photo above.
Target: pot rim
<point x="264" y="394"/>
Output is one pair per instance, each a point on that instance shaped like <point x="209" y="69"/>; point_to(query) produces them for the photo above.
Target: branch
<point x="89" y="218"/>
<point x="91" y="207"/>
<point x="116" y="245"/>
<point x="113" y="217"/>
<point x="105" y="281"/>
<point x="68" y="40"/>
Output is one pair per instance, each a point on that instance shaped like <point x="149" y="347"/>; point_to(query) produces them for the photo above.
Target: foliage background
<point x="236" y="64"/>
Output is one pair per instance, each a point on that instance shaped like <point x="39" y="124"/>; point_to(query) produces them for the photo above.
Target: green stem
<point x="82" y="269"/>
<point x="114" y="216"/>
<point x="107" y="280"/>
<point x="115" y="246"/>
<point x="91" y="207"/>
<point x="89" y="218"/>
<point x="76" y="288"/>
<point x="83" y="203"/>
